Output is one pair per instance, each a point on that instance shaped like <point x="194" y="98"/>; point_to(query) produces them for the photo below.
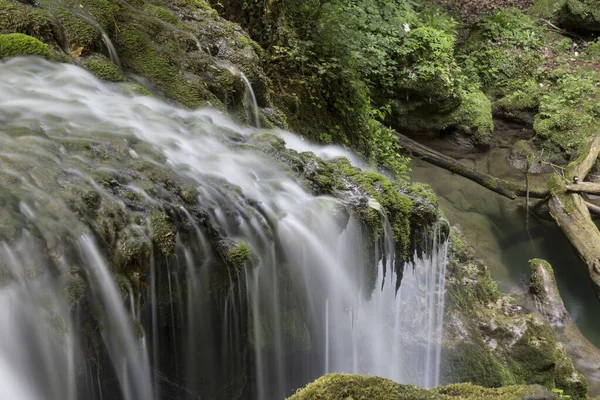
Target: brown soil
<point x="471" y="11"/>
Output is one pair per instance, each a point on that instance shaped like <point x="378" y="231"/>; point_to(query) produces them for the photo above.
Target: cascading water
<point x="250" y="102"/>
<point x="74" y="158"/>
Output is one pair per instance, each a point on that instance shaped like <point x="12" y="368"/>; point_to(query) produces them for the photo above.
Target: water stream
<point x="303" y="304"/>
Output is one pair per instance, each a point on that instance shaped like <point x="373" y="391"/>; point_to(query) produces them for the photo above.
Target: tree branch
<point x="593" y="208"/>
<point x="584" y="187"/>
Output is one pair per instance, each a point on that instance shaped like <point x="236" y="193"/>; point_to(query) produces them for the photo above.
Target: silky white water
<point x="301" y="308"/>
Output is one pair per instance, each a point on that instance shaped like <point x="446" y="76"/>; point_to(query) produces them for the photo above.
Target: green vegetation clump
<point x="163" y="232"/>
<point x="19" y="18"/>
<point x="237" y="254"/>
<point x="18" y="44"/>
<point x="592" y="52"/>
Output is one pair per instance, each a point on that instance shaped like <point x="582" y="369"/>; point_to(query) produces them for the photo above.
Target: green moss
<point x="536" y="354"/>
<point x="140" y="56"/>
<point x="474" y="116"/>
<point x="104" y="69"/>
<point x="547" y="8"/>
<point x="161" y="14"/>
<point x="163" y="232"/>
<point x="356" y="387"/>
<point x="140" y="90"/>
<point x="189" y="194"/>
<point x="580" y="14"/>
<point x="16" y="17"/>
<point x="474" y="362"/>
<point x="133" y="246"/>
<point x="18" y="44"/>
<point x="565" y="122"/>
<point x="77" y="31"/>
<point x="502" y="52"/>
<point x="398" y="207"/>
<point x="570" y="381"/>
<point x="526" y="98"/>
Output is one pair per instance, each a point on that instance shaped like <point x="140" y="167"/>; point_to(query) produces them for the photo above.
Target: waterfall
<point x="86" y="167"/>
<point x="394" y="335"/>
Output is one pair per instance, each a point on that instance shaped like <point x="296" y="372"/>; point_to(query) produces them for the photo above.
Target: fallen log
<point x="505" y="188"/>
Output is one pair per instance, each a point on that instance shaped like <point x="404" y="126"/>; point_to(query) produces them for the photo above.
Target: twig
<point x="560" y="30"/>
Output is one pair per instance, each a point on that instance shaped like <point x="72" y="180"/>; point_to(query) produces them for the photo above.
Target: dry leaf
<point x="76" y="51"/>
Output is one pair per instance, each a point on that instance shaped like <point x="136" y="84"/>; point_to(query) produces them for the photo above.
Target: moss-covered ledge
<point x="357" y="387"/>
<point x="411" y="208"/>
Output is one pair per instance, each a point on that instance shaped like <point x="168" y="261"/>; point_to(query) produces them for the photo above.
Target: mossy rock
<point x="566" y="119"/>
<point x="475" y="363"/>
<point x="357" y="387"/>
<point x="16" y="17"/>
<point x="471" y="117"/>
<point x="18" y="44"/>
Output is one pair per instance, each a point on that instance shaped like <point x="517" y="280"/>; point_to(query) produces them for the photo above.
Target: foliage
<point x="337" y="64"/>
<point x="511" y="27"/>
<point x="501" y="53"/>
<point x="592" y="52"/>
